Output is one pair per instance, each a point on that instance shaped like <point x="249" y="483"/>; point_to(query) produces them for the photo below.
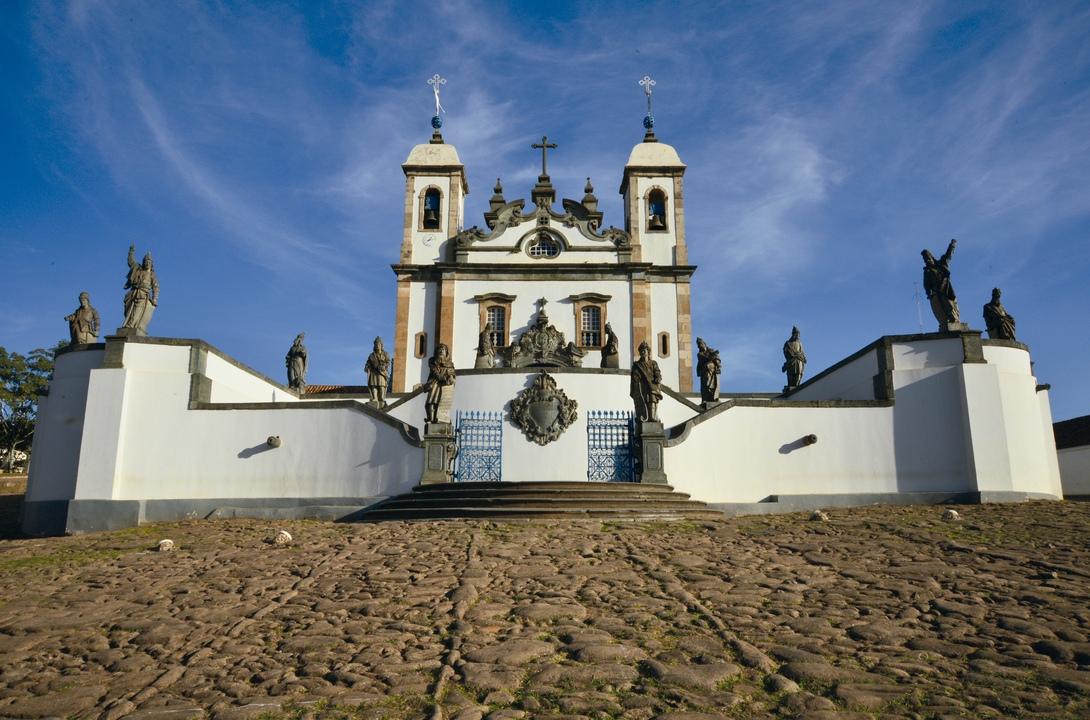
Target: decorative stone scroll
<point x="542" y="411"/>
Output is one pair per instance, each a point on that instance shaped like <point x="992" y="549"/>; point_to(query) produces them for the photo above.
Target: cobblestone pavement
<point x="878" y="612"/>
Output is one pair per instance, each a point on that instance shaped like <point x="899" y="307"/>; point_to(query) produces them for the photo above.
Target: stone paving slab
<point x="881" y="612"/>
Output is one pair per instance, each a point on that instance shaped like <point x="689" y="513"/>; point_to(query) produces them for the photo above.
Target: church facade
<point x="451" y="282"/>
<point x="543" y="309"/>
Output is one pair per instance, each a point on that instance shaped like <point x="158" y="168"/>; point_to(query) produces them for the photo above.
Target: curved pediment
<point x="575" y="229"/>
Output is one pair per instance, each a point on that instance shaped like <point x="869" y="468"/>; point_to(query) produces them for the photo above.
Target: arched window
<point x="543" y="246"/>
<point x="590" y="326"/>
<point x="656" y="210"/>
<point x="432" y="210"/>
<point x="497" y="315"/>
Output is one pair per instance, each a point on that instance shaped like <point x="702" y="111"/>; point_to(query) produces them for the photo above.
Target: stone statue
<point x="376" y="366"/>
<point x="646" y="388"/>
<point x="486" y="349"/>
<point x="142" y="297"/>
<point x="936" y="283"/>
<point x="999" y="322"/>
<point x="440" y="385"/>
<point x="794" y="360"/>
<point x="83" y="324"/>
<point x="610" y="352"/>
<point x="708" y="368"/>
<point x="296" y="360"/>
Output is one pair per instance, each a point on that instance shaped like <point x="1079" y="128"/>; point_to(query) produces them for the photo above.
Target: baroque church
<point x="543" y="365"/>
<point x="532" y="261"/>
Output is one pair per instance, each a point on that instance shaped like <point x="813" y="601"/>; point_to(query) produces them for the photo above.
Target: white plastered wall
<point x="524" y="311"/>
<point x="54" y="457"/>
<point x="141" y="441"/>
<point x="664" y="319"/>
<point x="852" y="381"/>
<point x="235" y="384"/>
<point x="422" y="301"/>
<point x="564" y="459"/>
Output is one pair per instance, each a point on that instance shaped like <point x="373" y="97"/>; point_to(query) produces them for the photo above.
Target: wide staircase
<point x="522" y="500"/>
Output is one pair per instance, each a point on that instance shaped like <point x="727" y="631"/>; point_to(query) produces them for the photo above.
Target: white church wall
<point x="422" y="300"/>
<point x="664" y="319"/>
<point x="104" y="429"/>
<point x="560" y="310"/>
<point x="919" y="354"/>
<point x="54" y="457"/>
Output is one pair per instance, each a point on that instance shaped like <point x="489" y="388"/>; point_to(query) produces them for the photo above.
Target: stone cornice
<point x="541" y="271"/>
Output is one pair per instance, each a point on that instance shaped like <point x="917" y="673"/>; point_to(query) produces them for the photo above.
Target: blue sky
<point x="255" y="149"/>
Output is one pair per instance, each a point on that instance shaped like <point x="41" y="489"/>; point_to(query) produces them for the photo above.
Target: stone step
<point x="505" y="500"/>
<point x="618" y="487"/>
<point x="454" y="512"/>
<point x="622" y="502"/>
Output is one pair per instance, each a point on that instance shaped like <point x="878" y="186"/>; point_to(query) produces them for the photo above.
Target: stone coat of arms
<point x="543" y="411"/>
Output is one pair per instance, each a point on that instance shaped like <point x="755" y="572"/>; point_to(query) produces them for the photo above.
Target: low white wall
<point x="1075" y="470"/>
<point x="54" y="457"/>
<point x="853" y="381"/>
<point x="234" y="384"/>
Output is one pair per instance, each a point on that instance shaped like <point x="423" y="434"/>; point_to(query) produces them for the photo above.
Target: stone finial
<point x="590" y="200"/>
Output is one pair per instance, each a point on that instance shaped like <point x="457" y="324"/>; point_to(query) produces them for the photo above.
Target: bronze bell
<point x="431" y="218"/>
<point x="657" y="223"/>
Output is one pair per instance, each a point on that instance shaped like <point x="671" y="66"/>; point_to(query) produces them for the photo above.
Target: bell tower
<point x="654" y="208"/>
<point x="435" y="190"/>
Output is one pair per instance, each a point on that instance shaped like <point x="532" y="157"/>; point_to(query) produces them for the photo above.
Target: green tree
<point x="22" y="379"/>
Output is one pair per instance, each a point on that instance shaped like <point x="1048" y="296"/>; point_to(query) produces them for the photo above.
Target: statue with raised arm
<point x="708" y="368"/>
<point x="296" y="361"/>
<point x="646" y="385"/>
<point x="999" y="322"/>
<point x="142" y="296"/>
<point x="376" y="366"/>
<point x="794" y="360"/>
<point x="610" y="350"/>
<point x="936" y="283"/>
<point x="83" y="324"/>
<point x="440" y="386"/>
<point x="486" y="348"/>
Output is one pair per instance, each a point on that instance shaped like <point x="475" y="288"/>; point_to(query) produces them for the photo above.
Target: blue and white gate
<point x="610" y="455"/>
<point x="478" y="437"/>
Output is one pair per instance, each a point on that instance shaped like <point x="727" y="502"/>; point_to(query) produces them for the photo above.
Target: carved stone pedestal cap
<point x="954" y="327"/>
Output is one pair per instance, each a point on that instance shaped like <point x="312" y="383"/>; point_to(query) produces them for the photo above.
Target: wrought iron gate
<point x="610" y="455"/>
<point x="478" y="436"/>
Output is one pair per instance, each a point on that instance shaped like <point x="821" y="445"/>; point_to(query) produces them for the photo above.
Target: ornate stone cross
<point x="544" y="146"/>
<point x="540" y="302"/>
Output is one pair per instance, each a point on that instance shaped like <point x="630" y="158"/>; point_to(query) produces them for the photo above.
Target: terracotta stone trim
<point x="684" y="336"/>
<point x="402" y="349"/>
<point x="641" y="313"/>
<point x="681" y="250"/>
<point x="444" y="316"/>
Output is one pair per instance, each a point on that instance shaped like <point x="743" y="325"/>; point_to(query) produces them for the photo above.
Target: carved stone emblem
<point x="543" y="411"/>
<point x="542" y="345"/>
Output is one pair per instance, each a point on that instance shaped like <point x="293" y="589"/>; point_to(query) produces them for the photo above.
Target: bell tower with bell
<point x="435" y="190"/>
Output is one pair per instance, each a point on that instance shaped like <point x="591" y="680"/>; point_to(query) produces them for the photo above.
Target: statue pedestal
<point x="438" y="453"/>
<point x="611" y="361"/>
<point x="652" y="443"/>
<point x="129" y="332"/>
<point x="484" y="362"/>
<point x="954" y="327"/>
